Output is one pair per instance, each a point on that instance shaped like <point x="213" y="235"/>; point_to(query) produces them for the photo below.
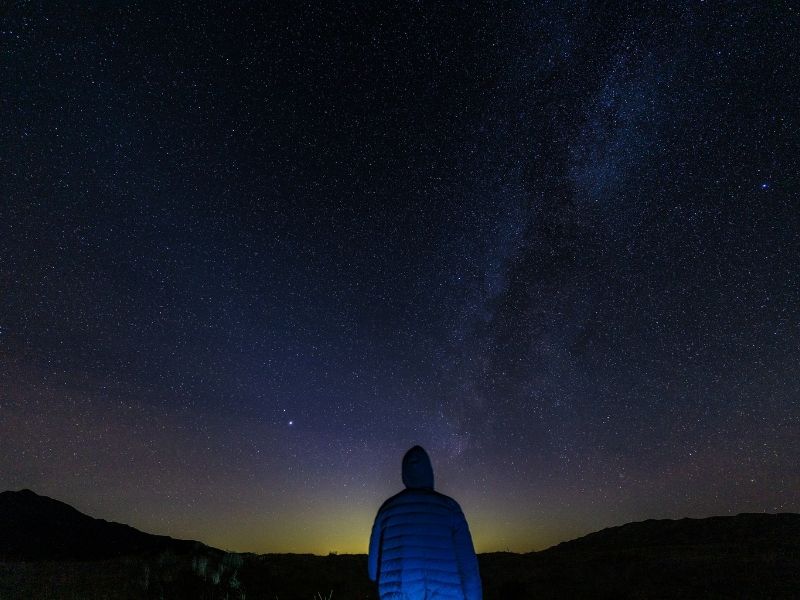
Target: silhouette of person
<point x="420" y="546"/>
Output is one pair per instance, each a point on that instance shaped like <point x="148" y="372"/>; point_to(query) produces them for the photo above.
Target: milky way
<point x="251" y="255"/>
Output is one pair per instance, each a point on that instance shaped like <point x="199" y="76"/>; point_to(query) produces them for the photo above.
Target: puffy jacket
<point x="421" y="548"/>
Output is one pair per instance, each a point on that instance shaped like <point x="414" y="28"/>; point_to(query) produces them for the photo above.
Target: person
<point x="420" y="547"/>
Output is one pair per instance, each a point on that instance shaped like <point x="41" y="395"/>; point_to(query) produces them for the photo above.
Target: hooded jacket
<point x="421" y="548"/>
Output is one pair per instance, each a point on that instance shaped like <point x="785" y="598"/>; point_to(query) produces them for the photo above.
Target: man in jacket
<point x="421" y="548"/>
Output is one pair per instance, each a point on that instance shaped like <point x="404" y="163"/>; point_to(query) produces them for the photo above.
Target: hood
<point x="417" y="469"/>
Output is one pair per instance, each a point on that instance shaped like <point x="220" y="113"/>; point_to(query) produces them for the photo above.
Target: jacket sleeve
<point x="375" y="548"/>
<point x="467" y="561"/>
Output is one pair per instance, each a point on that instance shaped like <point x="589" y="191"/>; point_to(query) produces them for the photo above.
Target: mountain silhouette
<point x="34" y="527"/>
<point x="746" y="529"/>
<point x="743" y="556"/>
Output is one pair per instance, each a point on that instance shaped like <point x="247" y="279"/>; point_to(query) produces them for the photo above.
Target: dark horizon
<point x="40" y="510"/>
<point x="251" y="255"/>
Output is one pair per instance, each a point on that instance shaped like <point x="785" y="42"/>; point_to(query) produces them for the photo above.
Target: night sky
<point x="250" y="254"/>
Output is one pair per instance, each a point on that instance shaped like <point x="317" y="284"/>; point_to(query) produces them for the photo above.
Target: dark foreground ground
<point x="48" y="550"/>
<point x="684" y="571"/>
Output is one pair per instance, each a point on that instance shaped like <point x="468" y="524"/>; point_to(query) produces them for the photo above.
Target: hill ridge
<point x="37" y="527"/>
<point x="753" y="528"/>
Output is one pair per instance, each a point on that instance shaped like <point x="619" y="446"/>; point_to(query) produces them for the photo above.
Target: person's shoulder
<point x="450" y="502"/>
<point x="392" y="500"/>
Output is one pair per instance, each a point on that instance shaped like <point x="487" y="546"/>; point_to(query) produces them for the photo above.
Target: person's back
<point x="420" y="547"/>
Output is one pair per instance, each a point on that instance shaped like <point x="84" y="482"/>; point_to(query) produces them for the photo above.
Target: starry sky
<point x="251" y="253"/>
